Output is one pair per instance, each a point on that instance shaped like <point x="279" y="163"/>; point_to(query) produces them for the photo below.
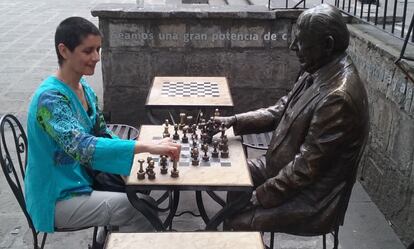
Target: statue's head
<point x="321" y="35"/>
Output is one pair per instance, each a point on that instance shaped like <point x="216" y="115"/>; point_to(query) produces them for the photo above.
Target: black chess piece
<point x="149" y="159"/>
<point x="141" y="172"/>
<point x="194" y="144"/>
<point x="205" y="149"/>
<point x="184" y="139"/>
<point x="190" y="124"/>
<point x="163" y="163"/>
<point x="151" y="173"/>
<point x="174" y="171"/>
<point x="194" y="156"/>
<point x="194" y="130"/>
<point x="215" y="153"/>
<point x="182" y="120"/>
<point x="225" y="147"/>
<point x="176" y="136"/>
<point x="223" y="130"/>
<point x="216" y="113"/>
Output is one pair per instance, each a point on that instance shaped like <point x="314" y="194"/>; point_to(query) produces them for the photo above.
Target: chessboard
<point x="189" y="92"/>
<point x="221" y="171"/>
<point x="190" y="89"/>
<point x="185" y="157"/>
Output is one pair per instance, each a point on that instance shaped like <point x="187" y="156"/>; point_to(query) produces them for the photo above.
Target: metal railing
<point x="392" y="16"/>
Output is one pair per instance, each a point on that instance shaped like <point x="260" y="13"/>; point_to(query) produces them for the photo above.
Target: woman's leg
<point x="100" y="209"/>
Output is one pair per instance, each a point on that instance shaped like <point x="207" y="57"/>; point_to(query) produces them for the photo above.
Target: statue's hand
<point x="227" y="121"/>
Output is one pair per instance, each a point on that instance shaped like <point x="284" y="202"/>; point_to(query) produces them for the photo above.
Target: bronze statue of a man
<point x="319" y="132"/>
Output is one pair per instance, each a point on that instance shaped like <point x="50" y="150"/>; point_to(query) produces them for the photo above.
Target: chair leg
<point x="43" y="240"/>
<point x="95" y="233"/>
<point x="336" y="238"/>
<point x="272" y="240"/>
<point x="324" y="241"/>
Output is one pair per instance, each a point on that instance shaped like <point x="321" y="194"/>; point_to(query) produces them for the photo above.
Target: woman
<point x="67" y="134"/>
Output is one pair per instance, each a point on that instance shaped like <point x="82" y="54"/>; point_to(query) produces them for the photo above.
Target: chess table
<point x="186" y="240"/>
<point x="221" y="174"/>
<point x="188" y="94"/>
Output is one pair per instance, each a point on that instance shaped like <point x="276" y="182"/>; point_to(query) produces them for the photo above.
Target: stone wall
<point x="248" y="45"/>
<point x="387" y="168"/>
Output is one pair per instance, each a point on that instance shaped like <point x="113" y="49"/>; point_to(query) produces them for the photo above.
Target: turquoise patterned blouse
<point x="62" y="141"/>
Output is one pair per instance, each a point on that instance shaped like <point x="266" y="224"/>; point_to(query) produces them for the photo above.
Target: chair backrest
<point x="13" y="158"/>
<point x="350" y="184"/>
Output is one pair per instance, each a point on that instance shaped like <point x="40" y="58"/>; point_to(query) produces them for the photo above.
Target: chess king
<point x="319" y="132"/>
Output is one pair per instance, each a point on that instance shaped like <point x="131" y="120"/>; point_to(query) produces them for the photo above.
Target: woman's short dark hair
<point x="325" y="20"/>
<point x="71" y="32"/>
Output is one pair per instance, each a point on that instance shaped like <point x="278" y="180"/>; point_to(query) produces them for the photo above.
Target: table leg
<point x="175" y="198"/>
<point x="145" y="209"/>
<point x="200" y="206"/>
<point x="228" y="210"/>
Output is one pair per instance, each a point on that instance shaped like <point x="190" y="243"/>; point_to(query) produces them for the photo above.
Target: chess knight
<point x="319" y="132"/>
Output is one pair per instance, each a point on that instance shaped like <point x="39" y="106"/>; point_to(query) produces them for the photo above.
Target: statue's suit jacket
<point x="319" y="132"/>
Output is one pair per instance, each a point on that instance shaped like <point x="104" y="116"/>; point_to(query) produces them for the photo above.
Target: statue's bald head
<point x="322" y="21"/>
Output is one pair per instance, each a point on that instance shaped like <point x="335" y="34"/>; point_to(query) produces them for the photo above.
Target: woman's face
<point x="82" y="60"/>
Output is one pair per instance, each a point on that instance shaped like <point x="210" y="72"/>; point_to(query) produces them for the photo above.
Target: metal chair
<point x="261" y="142"/>
<point x="14" y="170"/>
<point x="124" y="131"/>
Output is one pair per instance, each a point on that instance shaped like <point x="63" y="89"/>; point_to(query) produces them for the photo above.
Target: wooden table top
<point x="190" y="91"/>
<point x="235" y="175"/>
<point x="186" y="240"/>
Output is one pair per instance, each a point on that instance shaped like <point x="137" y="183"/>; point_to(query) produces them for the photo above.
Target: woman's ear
<point x="63" y="50"/>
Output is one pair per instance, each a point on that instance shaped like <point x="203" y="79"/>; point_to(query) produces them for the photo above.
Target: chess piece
<point x="151" y="166"/>
<point x="194" y="129"/>
<point x="141" y="172"/>
<point x="190" y="124"/>
<point x="194" y="144"/>
<point x="166" y="132"/>
<point x="182" y="121"/>
<point x="174" y="171"/>
<point x="184" y="139"/>
<point x="205" y="149"/>
<point x="225" y="148"/>
<point x="151" y="173"/>
<point x="149" y="159"/>
<point x="216" y="113"/>
<point x="194" y="156"/>
<point x="176" y="136"/>
<point x="215" y="153"/>
<point x="223" y="130"/>
<point x="163" y="163"/>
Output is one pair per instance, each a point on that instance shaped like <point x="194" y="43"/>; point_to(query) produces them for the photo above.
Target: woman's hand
<point x="164" y="147"/>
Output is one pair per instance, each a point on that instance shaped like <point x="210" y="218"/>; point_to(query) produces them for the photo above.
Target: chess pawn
<point x="176" y="136"/>
<point x="194" y="129"/>
<point x="174" y="171"/>
<point x="223" y="130"/>
<point x="141" y="172"/>
<point x="216" y="113"/>
<point x="215" y="153"/>
<point x="184" y="139"/>
<point x="163" y="163"/>
<point x="166" y="132"/>
<point x="225" y="148"/>
<point x="149" y="159"/>
<point x="182" y="120"/>
<point x="151" y="174"/>
<point x="194" y="156"/>
<point x="205" y="149"/>
<point x="194" y="144"/>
